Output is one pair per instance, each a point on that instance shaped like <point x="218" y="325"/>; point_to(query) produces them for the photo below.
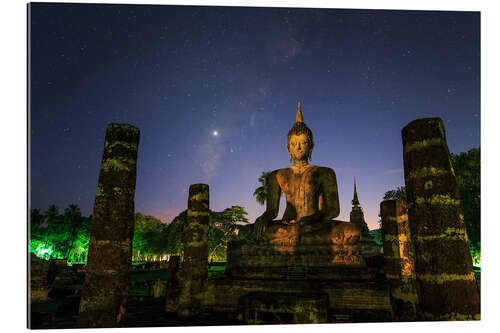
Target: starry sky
<point x="214" y="91"/>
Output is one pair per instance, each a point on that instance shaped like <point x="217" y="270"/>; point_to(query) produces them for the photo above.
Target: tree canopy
<point x="223" y="227"/>
<point x="398" y="194"/>
<point x="66" y="236"/>
<point x="55" y="235"/>
<point x="467" y="167"/>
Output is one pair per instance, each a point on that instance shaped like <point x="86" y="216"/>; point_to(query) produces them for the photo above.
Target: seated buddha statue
<point x="312" y="202"/>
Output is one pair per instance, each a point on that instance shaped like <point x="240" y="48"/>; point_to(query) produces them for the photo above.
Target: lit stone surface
<point x="399" y="262"/>
<point x="306" y="267"/>
<point x="307" y="229"/>
<point x="195" y="266"/>
<point x="443" y="264"/>
<point x="105" y="289"/>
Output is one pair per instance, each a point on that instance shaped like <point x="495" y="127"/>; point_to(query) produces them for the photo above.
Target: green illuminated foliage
<point x="66" y="236"/>
<point x="150" y="238"/>
<point x="467" y="168"/>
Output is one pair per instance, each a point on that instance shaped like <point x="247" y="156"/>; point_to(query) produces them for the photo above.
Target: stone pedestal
<point x="268" y="301"/>
<point x="443" y="264"/>
<point x="315" y="248"/>
<point x="399" y="262"/>
<point x="300" y="274"/>
<point x="105" y="289"/>
<point x="195" y="266"/>
<point x="284" y="308"/>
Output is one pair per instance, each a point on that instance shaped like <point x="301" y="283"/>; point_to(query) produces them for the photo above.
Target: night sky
<point x="214" y="91"/>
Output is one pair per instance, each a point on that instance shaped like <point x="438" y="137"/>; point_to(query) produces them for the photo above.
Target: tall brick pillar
<point x="443" y="264"/>
<point x="399" y="262"/>
<point x="105" y="289"/>
<point x="195" y="266"/>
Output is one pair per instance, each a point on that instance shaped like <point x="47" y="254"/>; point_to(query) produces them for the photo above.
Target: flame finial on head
<point x="299" y="118"/>
<point x="300" y="128"/>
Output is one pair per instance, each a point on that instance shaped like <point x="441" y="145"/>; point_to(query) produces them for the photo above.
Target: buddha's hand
<point x="260" y="227"/>
<point x="311" y="219"/>
<point x="307" y="220"/>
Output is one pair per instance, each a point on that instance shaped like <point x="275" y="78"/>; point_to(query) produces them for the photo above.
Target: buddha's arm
<point x="272" y="205"/>
<point x="331" y="207"/>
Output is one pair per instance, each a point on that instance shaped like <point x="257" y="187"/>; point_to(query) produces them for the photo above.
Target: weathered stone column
<point x="195" y="266"/>
<point x="399" y="264"/>
<point x="172" y="285"/>
<point x="443" y="264"/>
<point x="106" y="284"/>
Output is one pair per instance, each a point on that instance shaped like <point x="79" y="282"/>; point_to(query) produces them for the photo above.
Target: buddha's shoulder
<point x="282" y="171"/>
<point x="325" y="170"/>
<point x="312" y="168"/>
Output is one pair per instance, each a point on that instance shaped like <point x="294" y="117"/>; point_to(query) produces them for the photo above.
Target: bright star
<point x="215" y="133"/>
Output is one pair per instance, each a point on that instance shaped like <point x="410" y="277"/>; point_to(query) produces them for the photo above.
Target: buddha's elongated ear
<point x="290" y="156"/>
<point x="309" y="157"/>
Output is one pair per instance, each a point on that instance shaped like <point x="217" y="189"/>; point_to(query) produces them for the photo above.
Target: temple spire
<point x="355" y="201"/>
<point x="299" y="118"/>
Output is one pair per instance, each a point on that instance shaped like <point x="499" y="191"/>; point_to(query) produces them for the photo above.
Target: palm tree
<point x="48" y="224"/>
<point x="73" y="221"/>
<point x="260" y="192"/>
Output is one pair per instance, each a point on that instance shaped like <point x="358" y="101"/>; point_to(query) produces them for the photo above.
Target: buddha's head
<point x="300" y="139"/>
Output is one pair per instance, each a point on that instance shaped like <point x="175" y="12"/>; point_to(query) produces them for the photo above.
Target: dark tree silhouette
<point x="260" y="192"/>
<point x="397" y="194"/>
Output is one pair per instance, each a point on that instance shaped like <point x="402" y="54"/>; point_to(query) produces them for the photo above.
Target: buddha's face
<point x="299" y="147"/>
